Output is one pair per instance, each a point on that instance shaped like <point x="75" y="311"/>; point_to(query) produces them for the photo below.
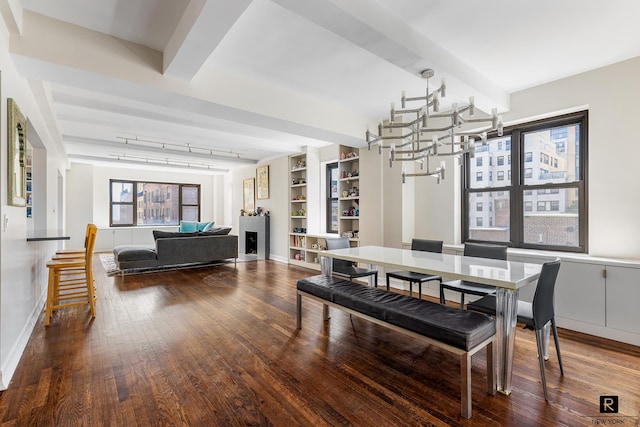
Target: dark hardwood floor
<point x="218" y="346"/>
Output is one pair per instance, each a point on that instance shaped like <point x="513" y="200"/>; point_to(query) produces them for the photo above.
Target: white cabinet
<point x="604" y="296"/>
<point x="580" y="292"/>
<point x="623" y="294"/>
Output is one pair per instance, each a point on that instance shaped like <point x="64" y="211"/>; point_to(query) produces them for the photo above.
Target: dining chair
<point x="419" y="278"/>
<point x="70" y="280"/>
<point x="533" y="315"/>
<point x="346" y="268"/>
<point x="478" y="250"/>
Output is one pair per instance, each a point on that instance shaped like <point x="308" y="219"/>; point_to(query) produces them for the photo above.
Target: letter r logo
<point x="608" y="404"/>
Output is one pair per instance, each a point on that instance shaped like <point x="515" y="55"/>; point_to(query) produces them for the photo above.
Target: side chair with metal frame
<point x="425" y="245"/>
<point x="478" y="250"/>
<point x="534" y="315"/>
<point x="346" y="268"/>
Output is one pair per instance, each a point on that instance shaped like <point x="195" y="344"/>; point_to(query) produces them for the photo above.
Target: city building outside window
<point x="542" y="205"/>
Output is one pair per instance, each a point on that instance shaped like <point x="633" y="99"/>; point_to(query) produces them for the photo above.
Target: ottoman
<point x="135" y="256"/>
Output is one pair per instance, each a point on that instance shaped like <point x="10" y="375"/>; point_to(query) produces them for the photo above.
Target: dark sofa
<point x="179" y="249"/>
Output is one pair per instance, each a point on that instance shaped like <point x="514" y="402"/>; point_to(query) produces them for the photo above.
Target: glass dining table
<point x="506" y="276"/>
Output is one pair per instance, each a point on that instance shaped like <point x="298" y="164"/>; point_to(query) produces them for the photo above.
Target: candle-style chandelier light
<point x="429" y="132"/>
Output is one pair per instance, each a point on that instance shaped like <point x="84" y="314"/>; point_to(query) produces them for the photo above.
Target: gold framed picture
<point x="262" y="177"/>
<point x="248" y="195"/>
<point x="16" y="159"/>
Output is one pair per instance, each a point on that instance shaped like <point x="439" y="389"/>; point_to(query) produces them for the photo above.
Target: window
<point x="332" y="198"/>
<point x="479" y="207"/>
<point x="500" y="160"/>
<point x="135" y="203"/>
<point x="544" y="205"/>
<point x="478" y="161"/>
<point x="544" y="158"/>
<point x="479" y="221"/>
<point x="478" y="176"/>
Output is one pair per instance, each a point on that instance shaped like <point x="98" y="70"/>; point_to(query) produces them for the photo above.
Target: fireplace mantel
<point x="260" y="226"/>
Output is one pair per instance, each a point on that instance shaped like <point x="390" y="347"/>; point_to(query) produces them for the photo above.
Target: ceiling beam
<point x="202" y="27"/>
<point x="381" y="32"/>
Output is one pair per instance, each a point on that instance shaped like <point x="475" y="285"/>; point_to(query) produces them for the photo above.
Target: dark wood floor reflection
<point x="218" y="346"/>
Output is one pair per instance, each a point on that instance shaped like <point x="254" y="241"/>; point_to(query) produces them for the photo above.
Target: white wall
<point x="277" y="204"/>
<point x="611" y="95"/>
<point x="88" y="195"/>
<point x="23" y="274"/>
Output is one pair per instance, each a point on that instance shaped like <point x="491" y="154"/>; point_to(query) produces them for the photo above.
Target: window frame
<point x="329" y="167"/>
<point x="135" y="201"/>
<point x="517" y="189"/>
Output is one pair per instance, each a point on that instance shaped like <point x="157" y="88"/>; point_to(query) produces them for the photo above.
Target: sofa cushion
<point x="126" y="253"/>
<point x="159" y="234"/>
<point x="215" y="231"/>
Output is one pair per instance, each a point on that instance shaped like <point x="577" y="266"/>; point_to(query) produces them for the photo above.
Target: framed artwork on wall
<point x="262" y="177"/>
<point x="16" y="159"/>
<point x="248" y="195"/>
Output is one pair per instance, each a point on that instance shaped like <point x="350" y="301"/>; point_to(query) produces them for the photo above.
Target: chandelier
<point x="418" y="134"/>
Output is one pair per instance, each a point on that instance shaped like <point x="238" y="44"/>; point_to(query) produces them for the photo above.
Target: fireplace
<point x="251" y="242"/>
<point x="253" y="238"/>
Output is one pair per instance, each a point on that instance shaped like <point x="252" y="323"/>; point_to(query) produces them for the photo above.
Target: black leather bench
<point x="458" y="331"/>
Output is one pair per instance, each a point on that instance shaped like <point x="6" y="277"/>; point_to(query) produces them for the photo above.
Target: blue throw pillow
<point x="204" y="226"/>
<point x="188" y="226"/>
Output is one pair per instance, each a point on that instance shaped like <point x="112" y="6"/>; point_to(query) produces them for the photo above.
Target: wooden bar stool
<point x="75" y="252"/>
<point x="71" y="280"/>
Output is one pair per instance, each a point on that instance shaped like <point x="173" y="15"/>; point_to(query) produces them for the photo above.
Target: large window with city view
<point x="135" y="203"/>
<point x="527" y="188"/>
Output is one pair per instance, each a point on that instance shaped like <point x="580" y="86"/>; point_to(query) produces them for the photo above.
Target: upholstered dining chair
<point x="479" y="250"/>
<point x="346" y="268"/>
<point x="419" y="278"/>
<point x="534" y="315"/>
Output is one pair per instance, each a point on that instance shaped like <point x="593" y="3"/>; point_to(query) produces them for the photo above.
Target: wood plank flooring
<point x="217" y="346"/>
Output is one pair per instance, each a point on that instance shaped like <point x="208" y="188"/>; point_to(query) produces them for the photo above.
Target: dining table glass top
<point x="504" y="274"/>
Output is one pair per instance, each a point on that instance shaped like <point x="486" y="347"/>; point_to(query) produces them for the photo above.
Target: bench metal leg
<point x="465" y="386"/>
<point x="299" y="311"/>
<point x="325" y="312"/>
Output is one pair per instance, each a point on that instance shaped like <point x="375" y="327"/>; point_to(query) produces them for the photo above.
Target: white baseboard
<point x="279" y="258"/>
<point x="10" y="364"/>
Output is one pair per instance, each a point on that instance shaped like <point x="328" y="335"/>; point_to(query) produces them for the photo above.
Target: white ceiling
<point x="250" y="80"/>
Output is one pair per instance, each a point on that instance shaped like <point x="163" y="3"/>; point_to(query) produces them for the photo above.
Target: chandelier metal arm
<point x="445" y="136"/>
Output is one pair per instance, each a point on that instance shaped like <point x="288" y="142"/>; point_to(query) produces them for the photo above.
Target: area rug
<point x="109" y="264"/>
